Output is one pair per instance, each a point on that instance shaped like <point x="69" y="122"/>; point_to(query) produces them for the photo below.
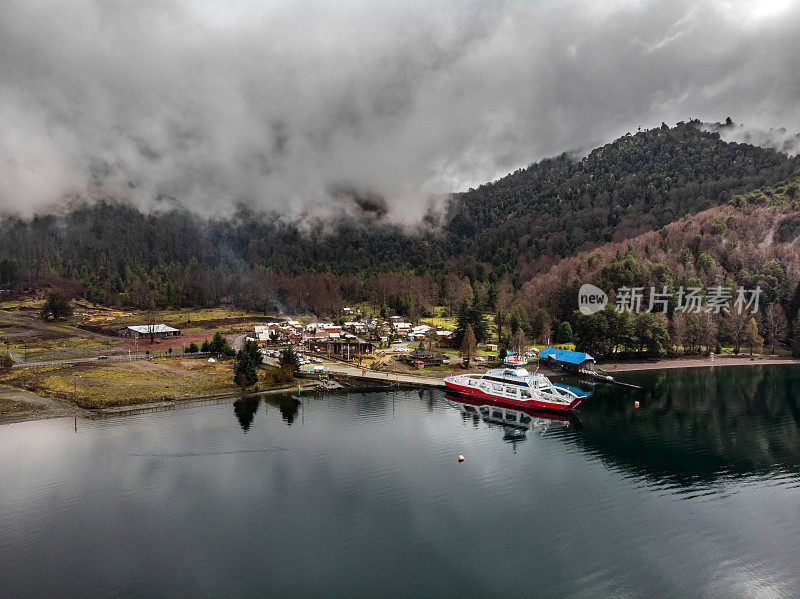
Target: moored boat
<point x="514" y="385"/>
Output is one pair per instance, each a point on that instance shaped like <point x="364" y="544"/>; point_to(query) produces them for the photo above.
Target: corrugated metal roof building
<point x="568" y="360"/>
<point x="145" y="330"/>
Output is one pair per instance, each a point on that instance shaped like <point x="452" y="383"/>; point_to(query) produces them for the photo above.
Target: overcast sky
<point x="274" y="103"/>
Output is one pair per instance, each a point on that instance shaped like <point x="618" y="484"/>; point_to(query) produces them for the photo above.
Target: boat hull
<point x="530" y="403"/>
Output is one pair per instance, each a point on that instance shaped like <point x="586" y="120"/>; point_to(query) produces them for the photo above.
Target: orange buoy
<point x="636" y="404"/>
<point x="460" y="458"/>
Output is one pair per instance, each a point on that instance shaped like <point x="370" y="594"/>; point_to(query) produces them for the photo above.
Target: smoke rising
<point x="284" y="105"/>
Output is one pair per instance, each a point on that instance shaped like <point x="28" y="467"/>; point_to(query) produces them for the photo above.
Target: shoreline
<point x="52" y="408"/>
<point x="697" y="362"/>
<point x="46" y="408"/>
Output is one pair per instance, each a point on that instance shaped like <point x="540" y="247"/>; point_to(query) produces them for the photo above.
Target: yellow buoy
<point x="460" y="458"/>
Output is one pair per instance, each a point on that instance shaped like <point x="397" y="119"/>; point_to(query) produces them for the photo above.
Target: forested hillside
<point x="750" y="241"/>
<point x="496" y="243"/>
<point x="638" y="183"/>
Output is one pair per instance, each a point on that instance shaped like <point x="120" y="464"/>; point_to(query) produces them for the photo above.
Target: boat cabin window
<point x="471" y="382"/>
<point x="525" y="394"/>
<point x="511" y="391"/>
<point x="502" y="380"/>
<point x="497" y="387"/>
<point x="511" y="417"/>
<point x="497" y="414"/>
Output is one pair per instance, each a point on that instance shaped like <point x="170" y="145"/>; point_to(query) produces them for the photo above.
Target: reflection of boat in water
<point x="515" y="386"/>
<point x="516" y="421"/>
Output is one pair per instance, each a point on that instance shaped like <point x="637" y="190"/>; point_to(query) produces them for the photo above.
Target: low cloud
<point x="284" y="106"/>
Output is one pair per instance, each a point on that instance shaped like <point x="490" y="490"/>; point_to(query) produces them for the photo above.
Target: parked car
<point x="102" y="357"/>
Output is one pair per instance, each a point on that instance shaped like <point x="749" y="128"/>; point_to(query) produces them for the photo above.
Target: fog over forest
<point x="286" y="104"/>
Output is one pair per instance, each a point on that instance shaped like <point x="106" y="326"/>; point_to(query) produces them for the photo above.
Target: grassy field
<point x="31" y="339"/>
<point x="440" y="319"/>
<point x="15" y="407"/>
<point x="121" y="383"/>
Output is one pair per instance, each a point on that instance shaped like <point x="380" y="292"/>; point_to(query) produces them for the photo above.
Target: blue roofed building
<point x="573" y="361"/>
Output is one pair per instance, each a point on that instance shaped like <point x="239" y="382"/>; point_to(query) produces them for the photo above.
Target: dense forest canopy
<point x="638" y="183"/>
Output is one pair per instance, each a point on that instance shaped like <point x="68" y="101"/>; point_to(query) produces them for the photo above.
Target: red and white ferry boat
<point x="514" y="385"/>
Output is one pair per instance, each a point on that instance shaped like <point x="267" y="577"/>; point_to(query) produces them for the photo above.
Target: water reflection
<point x="373" y="480"/>
<point x="697" y="425"/>
<point x="289" y="407"/>
<point x="515" y="422"/>
<point x="245" y="409"/>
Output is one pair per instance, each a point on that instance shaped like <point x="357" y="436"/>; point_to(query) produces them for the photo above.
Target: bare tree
<point x="708" y="330"/>
<point x="776" y="326"/>
<point x="736" y="325"/>
<point x="150" y="321"/>
<point x="469" y="345"/>
<point x="519" y="342"/>
<point x="677" y="330"/>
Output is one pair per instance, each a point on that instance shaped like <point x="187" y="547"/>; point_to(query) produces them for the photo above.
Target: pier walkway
<point x="373" y="376"/>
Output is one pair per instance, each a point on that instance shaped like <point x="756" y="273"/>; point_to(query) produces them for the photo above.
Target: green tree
<point x="247" y="360"/>
<point x="753" y="339"/>
<point x="477" y="318"/>
<point x="591" y="334"/>
<point x="651" y="334"/>
<point x="519" y="320"/>
<point x="192" y="348"/>
<point x="242" y="377"/>
<point x="500" y="319"/>
<point x="57" y="305"/>
<point x="217" y="343"/>
<point x="564" y="332"/>
<point x="6" y="362"/>
<point x="289" y="362"/>
<point x="718" y="226"/>
<point x="462" y="321"/>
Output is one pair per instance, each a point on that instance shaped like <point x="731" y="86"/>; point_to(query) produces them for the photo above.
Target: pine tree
<point x="499" y="322"/>
<point x="57" y="306"/>
<point x="462" y="321"/>
<point x="564" y="332"/>
<point x="477" y="318"/>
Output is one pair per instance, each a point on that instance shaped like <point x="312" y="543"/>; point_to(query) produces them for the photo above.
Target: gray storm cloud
<point x="277" y="104"/>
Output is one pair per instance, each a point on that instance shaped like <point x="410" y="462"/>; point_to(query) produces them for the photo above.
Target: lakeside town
<point x="107" y="359"/>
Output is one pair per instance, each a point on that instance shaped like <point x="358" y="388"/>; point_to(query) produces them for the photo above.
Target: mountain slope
<point x="751" y="240"/>
<point x="493" y="239"/>
<point x="637" y="183"/>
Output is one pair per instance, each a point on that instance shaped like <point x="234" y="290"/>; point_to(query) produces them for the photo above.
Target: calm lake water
<point x="695" y="493"/>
